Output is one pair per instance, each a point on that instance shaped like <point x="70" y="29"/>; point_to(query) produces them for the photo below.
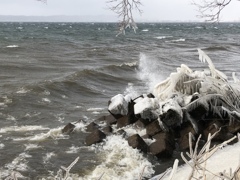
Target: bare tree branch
<point x="124" y="9"/>
<point x="210" y="10"/>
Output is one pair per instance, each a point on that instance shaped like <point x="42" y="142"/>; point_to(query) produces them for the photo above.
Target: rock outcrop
<point x="186" y="102"/>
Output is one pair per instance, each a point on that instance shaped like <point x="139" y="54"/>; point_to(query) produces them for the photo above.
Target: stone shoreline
<point x="196" y="102"/>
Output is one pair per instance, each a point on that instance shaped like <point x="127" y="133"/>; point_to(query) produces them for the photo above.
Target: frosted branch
<point x="124" y="10"/>
<point x="210" y="10"/>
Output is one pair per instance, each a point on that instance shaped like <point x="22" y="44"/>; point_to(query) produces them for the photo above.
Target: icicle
<point x="235" y="79"/>
<point x="203" y="57"/>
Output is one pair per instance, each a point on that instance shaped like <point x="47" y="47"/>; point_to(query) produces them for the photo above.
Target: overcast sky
<point x="153" y="10"/>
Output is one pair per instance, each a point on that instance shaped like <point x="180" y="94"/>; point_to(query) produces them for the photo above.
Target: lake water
<point x="55" y="73"/>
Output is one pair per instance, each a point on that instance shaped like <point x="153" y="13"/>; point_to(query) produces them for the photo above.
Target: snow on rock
<point x="119" y="104"/>
<point x="148" y="108"/>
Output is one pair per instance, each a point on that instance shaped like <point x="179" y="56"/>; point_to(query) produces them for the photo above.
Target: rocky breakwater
<point x="196" y="102"/>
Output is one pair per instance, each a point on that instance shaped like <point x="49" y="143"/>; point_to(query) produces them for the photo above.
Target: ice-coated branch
<point x="174" y="169"/>
<point x="210" y="10"/>
<point x="60" y="175"/>
<point x="199" y="158"/>
<point x="124" y="10"/>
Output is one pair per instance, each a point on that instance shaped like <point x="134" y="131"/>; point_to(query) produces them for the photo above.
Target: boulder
<point x="107" y="130"/>
<point x="95" y="137"/>
<point x="198" y="109"/>
<point x="215" y="126"/>
<point x="131" y="115"/>
<point x="92" y="127"/>
<point x="123" y="121"/>
<point x="166" y="136"/>
<point x="144" y="121"/>
<point x="68" y="128"/>
<point x="118" y="106"/>
<point x="172" y="115"/>
<point x="139" y="124"/>
<point x="116" y="116"/>
<point x="136" y="141"/>
<point x="153" y="128"/>
<point x="146" y="136"/>
<point x="234" y="127"/>
<point x="147" y="108"/>
<point x="183" y="141"/>
<point x="171" y="118"/>
<point x="109" y="119"/>
<point x="163" y="146"/>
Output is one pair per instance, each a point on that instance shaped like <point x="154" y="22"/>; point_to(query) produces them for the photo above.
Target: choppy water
<point x="55" y="73"/>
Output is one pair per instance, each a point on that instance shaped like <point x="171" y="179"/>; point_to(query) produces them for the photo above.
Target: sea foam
<point x="12" y="46"/>
<point x="22" y="128"/>
<point x="149" y="70"/>
<point x="120" y="161"/>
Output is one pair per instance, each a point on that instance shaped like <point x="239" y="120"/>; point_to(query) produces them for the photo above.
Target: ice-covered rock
<point x="147" y="108"/>
<point x="118" y="105"/>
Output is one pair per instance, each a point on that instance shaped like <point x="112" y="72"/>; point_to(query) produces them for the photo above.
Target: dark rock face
<point x="146" y="136"/>
<point x="171" y="118"/>
<point x="145" y="121"/>
<point x="183" y="141"/>
<point x="234" y="127"/>
<point x="123" y="121"/>
<point x="163" y="146"/>
<point x="116" y="116"/>
<point x="109" y="119"/>
<point x="169" y="124"/>
<point x="199" y="111"/>
<point x="68" y="128"/>
<point x="131" y="115"/>
<point x="139" y="124"/>
<point x="136" y="141"/>
<point x="92" y="127"/>
<point x="107" y="130"/>
<point x="153" y="128"/>
<point x="150" y="95"/>
<point x="214" y="126"/>
<point x="96" y="136"/>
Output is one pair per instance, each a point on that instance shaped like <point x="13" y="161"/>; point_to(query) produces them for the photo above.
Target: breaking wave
<point x="120" y="161"/>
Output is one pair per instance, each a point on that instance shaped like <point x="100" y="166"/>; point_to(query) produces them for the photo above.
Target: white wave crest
<point x="2" y="105"/>
<point x="12" y="46"/>
<point x="2" y="146"/>
<point x="120" y="161"/>
<point x="11" y="118"/>
<point x="73" y="150"/>
<point x="131" y="91"/>
<point x="48" y="156"/>
<point x="150" y="70"/>
<point x="46" y="100"/>
<point x="163" y="37"/>
<point x="53" y="133"/>
<point x="22" y="128"/>
<point x="22" y="91"/>
<point x="177" y="40"/>
<point x="130" y="64"/>
<point x="19" y="163"/>
<point x="95" y="109"/>
<point x="31" y="146"/>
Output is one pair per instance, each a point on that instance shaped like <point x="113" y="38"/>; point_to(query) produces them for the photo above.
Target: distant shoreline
<point x="84" y="19"/>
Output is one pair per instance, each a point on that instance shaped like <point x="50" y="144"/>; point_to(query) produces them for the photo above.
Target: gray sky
<point x="153" y="10"/>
